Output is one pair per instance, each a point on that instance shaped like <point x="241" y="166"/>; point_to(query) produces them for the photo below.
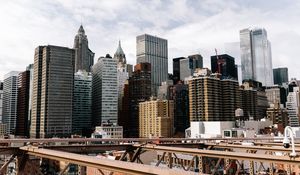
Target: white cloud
<point x="190" y="27"/>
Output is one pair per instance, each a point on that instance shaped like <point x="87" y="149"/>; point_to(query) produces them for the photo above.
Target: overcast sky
<point x="190" y="27"/>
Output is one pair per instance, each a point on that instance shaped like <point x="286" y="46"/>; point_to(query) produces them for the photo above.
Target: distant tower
<point x="256" y="56"/>
<point x="123" y="71"/>
<point x="84" y="57"/>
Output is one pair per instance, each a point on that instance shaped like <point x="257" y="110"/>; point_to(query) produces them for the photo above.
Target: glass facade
<point x="280" y="75"/>
<point x="256" y="56"/>
<point x="153" y="50"/>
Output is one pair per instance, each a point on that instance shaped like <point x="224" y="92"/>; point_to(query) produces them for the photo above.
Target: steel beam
<point x="227" y="155"/>
<point x="110" y="165"/>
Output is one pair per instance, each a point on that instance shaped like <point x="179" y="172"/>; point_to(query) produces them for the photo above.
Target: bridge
<point x="170" y="156"/>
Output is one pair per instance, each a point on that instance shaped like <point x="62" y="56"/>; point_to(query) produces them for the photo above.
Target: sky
<point x="190" y="26"/>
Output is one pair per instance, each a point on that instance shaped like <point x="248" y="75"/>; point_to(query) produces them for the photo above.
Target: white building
<point x="10" y="94"/>
<point x="108" y="131"/>
<point x="105" y="91"/>
<point x="292" y="106"/>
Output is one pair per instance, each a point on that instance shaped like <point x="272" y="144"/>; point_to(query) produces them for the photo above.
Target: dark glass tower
<point x="280" y="75"/>
<point x="225" y="65"/>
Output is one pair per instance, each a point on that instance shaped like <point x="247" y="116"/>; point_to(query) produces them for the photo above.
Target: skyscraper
<point x="82" y="103"/>
<point x="139" y="91"/>
<point x="105" y="91"/>
<point x="225" y="65"/>
<point x="10" y="97"/>
<point x="22" y="125"/>
<point x="179" y="93"/>
<point x="256" y="56"/>
<point x="281" y="75"/>
<point x="84" y="57"/>
<point x="292" y="106"/>
<point x="52" y="92"/>
<point x="123" y="72"/>
<point x="153" y="50"/>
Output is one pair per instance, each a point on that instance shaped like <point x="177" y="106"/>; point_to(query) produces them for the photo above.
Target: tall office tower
<point x="256" y="56"/>
<point x="156" y="118"/>
<point x="105" y="91"/>
<point x="225" y="65"/>
<point x="1" y="100"/>
<point x="123" y="71"/>
<point x="10" y="98"/>
<point x="276" y="94"/>
<point x="249" y="103"/>
<point x="179" y="93"/>
<point x="52" y="94"/>
<point x="139" y="91"/>
<point x="259" y="98"/>
<point x="84" y="57"/>
<point x="184" y="67"/>
<point x="153" y="50"/>
<point x="212" y="99"/>
<point x="82" y="103"/>
<point x="22" y="125"/>
<point x="292" y="106"/>
<point x="281" y="75"/>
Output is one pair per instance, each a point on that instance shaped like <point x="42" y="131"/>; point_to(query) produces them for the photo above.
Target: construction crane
<point x="220" y="62"/>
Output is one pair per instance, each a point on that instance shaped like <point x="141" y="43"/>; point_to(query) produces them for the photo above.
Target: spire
<point x="119" y="50"/>
<point x="81" y="30"/>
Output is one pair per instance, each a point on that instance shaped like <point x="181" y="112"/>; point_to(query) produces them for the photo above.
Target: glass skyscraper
<point x="280" y="75"/>
<point x="256" y="56"/>
<point x="153" y="50"/>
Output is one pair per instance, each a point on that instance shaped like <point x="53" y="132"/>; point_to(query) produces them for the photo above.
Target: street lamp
<point x="286" y="140"/>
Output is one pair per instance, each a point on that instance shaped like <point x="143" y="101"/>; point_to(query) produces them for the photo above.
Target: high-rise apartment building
<point x="139" y="91"/>
<point x="1" y="100"/>
<point x="156" y="118"/>
<point x="212" y="99"/>
<point x="278" y="114"/>
<point x="10" y="98"/>
<point x="82" y="103"/>
<point x="52" y="93"/>
<point x="225" y="65"/>
<point x="281" y="75"/>
<point x="84" y="57"/>
<point x="153" y="50"/>
<point x="276" y="94"/>
<point x="105" y="91"/>
<point x="184" y="67"/>
<point x="254" y="100"/>
<point x="22" y="123"/>
<point x="256" y="56"/>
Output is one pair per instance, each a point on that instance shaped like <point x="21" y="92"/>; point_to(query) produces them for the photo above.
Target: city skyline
<point x="190" y="27"/>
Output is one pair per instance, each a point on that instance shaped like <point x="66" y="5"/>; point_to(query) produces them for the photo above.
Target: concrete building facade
<point x="1" y="100"/>
<point x="105" y="91"/>
<point x="156" y="118"/>
<point x="52" y="93"/>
